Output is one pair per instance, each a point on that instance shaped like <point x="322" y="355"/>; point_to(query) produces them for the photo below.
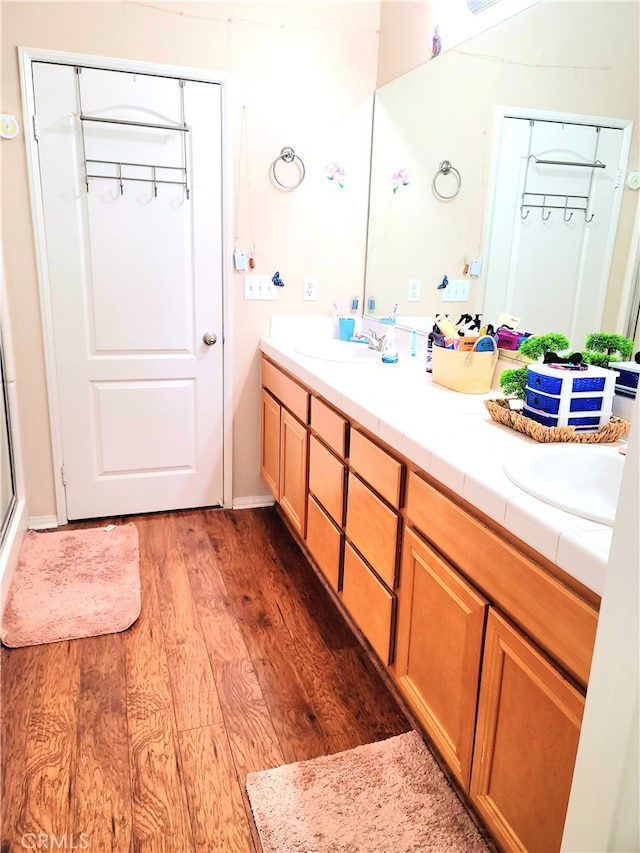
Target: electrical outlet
<point x="258" y="287"/>
<point x="456" y="291"/>
<point x="413" y="294"/>
<point x="309" y="288"/>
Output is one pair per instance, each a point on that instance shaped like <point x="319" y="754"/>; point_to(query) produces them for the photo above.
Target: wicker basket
<point x="500" y="412"/>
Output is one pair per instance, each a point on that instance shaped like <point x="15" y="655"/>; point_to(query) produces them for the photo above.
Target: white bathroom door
<point x="134" y="260"/>
<point x="548" y="260"/>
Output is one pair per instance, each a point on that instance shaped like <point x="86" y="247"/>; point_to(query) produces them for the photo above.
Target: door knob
<point x="209" y="338"/>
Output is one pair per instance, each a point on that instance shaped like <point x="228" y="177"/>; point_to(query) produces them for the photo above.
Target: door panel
<point x="135" y="278"/>
<point x="124" y="284"/>
<point x="145" y="426"/>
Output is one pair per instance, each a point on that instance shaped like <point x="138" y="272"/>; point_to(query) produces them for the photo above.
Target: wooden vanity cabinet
<point x="293" y="470"/>
<point x="327" y="486"/>
<point x="440" y="630"/>
<point x="372" y="530"/>
<point x="489" y="643"/>
<point x="529" y="719"/>
<point x="270" y="442"/>
<point x="560" y="621"/>
<point x="284" y="442"/>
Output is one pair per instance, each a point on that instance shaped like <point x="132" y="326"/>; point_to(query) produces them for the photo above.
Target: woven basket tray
<point x="500" y="412"/>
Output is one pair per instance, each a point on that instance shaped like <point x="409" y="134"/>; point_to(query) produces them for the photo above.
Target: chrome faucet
<point x="375" y="342"/>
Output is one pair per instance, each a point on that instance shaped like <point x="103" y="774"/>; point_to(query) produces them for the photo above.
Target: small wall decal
<point x="335" y="172"/>
<point x="400" y="179"/>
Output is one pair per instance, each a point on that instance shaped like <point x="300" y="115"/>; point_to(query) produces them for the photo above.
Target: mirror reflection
<point x="571" y="67"/>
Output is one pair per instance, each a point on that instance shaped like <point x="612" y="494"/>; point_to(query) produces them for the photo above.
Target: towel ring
<point x="446" y="168"/>
<point x="288" y="155"/>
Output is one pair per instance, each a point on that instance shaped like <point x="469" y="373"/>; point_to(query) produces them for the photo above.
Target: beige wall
<point x="302" y="74"/>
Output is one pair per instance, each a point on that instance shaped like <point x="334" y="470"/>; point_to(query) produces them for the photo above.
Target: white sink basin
<point x="583" y="479"/>
<point x="342" y="351"/>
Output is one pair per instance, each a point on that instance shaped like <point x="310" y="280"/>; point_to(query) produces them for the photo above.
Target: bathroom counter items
<point x="451" y="437"/>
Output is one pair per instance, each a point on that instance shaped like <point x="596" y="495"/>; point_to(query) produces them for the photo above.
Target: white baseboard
<point x="42" y="522"/>
<point x="253" y="501"/>
<point x="11" y="549"/>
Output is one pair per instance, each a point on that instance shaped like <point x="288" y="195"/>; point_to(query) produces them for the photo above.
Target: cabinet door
<point x="270" y="442"/>
<point x="373" y="528"/>
<point x="369" y="602"/>
<point x="439" y="647"/>
<point x="324" y="540"/>
<point x="293" y="470"/>
<point x="529" y="721"/>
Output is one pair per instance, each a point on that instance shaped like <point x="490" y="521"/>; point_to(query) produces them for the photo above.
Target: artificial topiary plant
<point x="602" y="348"/>
<point x="514" y="381"/>
<point x="535" y="347"/>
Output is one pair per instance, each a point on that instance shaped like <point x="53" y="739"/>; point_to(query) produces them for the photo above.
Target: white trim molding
<point x="253" y="501"/>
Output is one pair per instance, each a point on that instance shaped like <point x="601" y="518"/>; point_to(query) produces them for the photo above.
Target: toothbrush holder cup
<point x="346" y="328"/>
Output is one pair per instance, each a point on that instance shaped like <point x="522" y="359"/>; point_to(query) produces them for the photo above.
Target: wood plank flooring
<point x="141" y="741"/>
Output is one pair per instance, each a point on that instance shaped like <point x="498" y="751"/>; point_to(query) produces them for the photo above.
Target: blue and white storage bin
<point x="628" y="375"/>
<point x="564" y="397"/>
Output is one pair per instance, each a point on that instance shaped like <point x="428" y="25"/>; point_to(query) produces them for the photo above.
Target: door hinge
<point x="618" y="177"/>
<point x="63" y="475"/>
<point x="36" y="127"/>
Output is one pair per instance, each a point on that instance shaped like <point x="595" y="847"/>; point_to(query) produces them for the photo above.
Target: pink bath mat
<point x="71" y="584"/>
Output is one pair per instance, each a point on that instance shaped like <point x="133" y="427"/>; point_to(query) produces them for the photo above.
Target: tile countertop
<point x="452" y="437"/>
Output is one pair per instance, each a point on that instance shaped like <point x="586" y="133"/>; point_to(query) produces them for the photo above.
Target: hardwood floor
<point x="141" y="741"/>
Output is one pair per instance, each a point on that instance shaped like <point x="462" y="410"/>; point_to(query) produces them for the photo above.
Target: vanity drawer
<point x="373" y="528"/>
<point x="293" y="396"/>
<point x="561" y="622"/>
<point x="328" y="424"/>
<point x="324" y="541"/>
<point x="369" y="602"/>
<point x="327" y="479"/>
<point x="377" y="467"/>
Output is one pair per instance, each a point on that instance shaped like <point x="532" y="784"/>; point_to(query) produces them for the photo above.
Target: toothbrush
<point x="338" y="314"/>
<point x="394" y="312"/>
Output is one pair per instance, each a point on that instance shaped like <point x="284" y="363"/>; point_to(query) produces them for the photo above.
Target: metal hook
<point x="588" y="218"/>
<point x="567" y="218"/>
<point x="544" y="218"/>
<point x="525" y="215"/>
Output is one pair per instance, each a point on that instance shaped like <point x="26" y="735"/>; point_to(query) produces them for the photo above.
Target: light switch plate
<point x="259" y="287"/>
<point x="456" y="291"/>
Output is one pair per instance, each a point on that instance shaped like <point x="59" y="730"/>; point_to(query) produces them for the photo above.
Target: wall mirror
<point x="575" y="59"/>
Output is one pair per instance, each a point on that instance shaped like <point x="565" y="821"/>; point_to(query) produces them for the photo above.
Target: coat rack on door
<point x="154" y="168"/>
<point x="567" y="202"/>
